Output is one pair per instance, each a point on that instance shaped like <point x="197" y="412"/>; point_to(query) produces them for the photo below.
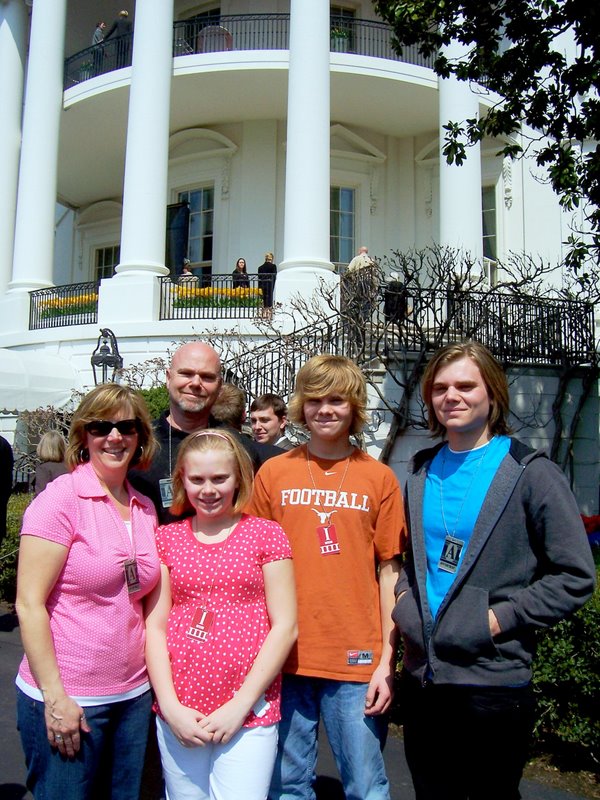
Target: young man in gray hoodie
<point x="497" y="550"/>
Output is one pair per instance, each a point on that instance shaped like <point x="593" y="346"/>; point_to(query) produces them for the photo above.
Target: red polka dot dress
<point x="226" y="580"/>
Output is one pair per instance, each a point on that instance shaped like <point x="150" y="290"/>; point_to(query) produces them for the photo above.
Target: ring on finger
<point x="58" y="737"/>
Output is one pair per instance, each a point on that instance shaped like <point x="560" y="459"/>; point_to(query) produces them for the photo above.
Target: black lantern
<point x="106" y="356"/>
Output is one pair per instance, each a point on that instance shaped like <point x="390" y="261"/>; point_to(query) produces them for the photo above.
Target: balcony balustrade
<point x="517" y="329"/>
<point x="60" y="306"/>
<point x="210" y="297"/>
<point x="240" y="32"/>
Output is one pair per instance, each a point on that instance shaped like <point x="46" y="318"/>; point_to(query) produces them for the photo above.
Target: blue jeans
<point x="109" y="763"/>
<point x="356" y="740"/>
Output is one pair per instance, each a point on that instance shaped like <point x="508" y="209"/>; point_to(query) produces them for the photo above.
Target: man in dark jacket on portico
<point x="497" y="550"/>
<point x="121" y="29"/>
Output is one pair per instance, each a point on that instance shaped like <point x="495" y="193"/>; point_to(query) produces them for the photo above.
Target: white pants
<point x="241" y="768"/>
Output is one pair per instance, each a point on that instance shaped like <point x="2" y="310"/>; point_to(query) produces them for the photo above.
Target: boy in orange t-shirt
<point x="342" y="511"/>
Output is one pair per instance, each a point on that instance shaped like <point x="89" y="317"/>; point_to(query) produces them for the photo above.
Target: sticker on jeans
<point x="261" y="706"/>
<point x="357" y="658"/>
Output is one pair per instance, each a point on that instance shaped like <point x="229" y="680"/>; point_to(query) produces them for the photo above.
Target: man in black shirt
<point x="193" y="382"/>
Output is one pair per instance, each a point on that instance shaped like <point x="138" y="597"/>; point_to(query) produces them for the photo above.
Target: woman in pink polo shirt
<point x="87" y="560"/>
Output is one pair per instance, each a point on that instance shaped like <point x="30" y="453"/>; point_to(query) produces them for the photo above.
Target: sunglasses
<point x="102" y="427"/>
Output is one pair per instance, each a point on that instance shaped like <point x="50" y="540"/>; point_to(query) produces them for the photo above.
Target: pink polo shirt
<point x="97" y="626"/>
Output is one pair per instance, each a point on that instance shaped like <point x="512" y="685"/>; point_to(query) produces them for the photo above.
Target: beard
<point x="193" y="405"/>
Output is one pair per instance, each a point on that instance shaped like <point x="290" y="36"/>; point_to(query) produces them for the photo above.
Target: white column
<point x="306" y="222"/>
<point x="13" y="41"/>
<point x="36" y="199"/>
<point x="460" y="186"/>
<point x="143" y="227"/>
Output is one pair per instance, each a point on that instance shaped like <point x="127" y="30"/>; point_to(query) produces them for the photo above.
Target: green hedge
<point x="17" y="504"/>
<point x="157" y="400"/>
<point x="566" y="680"/>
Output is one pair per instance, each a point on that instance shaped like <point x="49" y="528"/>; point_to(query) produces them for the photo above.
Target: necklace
<point x="165" y="485"/>
<point x="130" y="566"/>
<point x="326" y="532"/>
<point x="453" y="546"/>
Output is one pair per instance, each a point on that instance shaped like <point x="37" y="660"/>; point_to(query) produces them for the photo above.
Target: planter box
<point x="339" y="44"/>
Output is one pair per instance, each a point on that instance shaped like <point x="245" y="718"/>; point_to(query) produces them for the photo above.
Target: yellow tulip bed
<point x="210" y="297"/>
<point x="65" y="306"/>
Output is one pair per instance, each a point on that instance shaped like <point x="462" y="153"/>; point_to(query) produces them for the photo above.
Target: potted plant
<point x="86" y="71"/>
<point x="340" y="38"/>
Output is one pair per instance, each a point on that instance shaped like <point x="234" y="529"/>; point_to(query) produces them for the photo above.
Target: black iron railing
<point x="58" y="306"/>
<point x="210" y="297"/>
<point x="98" y="60"/>
<point x="516" y="329"/>
<point x="272" y="367"/>
<point x="241" y="32"/>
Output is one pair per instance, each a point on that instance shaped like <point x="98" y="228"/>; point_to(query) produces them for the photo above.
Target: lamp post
<point x="106" y="356"/>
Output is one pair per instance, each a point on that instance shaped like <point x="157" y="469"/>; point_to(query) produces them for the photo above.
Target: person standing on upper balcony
<point x="187" y="277"/>
<point x="98" y="36"/>
<point x="122" y="29"/>
<point x="239" y="276"/>
<point x="97" y="39"/>
<point x="267" y="275"/>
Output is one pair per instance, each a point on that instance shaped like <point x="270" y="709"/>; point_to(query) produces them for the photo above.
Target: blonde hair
<point x="102" y="403"/>
<point x="324" y="375"/>
<point x="51" y="447"/>
<point x="493" y="377"/>
<point x="201" y="442"/>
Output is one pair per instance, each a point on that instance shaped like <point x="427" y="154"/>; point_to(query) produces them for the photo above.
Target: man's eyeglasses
<point x="102" y="427"/>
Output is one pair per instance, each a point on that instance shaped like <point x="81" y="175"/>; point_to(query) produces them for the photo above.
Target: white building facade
<point x="288" y="126"/>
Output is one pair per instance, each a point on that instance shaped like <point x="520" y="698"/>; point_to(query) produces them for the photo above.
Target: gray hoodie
<point x="528" y="560"/>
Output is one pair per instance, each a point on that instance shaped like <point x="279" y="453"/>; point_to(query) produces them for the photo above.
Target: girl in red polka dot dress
<point x="219" y="626"/>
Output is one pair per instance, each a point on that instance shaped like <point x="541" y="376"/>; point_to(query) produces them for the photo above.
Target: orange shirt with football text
<point x="342" y="519"/>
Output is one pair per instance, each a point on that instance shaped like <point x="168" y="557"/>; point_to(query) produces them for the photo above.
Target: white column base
<point x="14" y="312"/>
<point x="308" y="283"/>
<point x="129" y="297"/>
